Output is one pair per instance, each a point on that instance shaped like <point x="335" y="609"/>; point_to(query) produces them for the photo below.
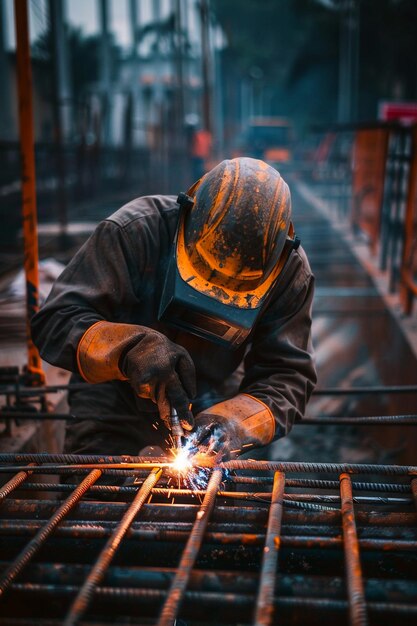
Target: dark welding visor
<point x="185" y="307"/>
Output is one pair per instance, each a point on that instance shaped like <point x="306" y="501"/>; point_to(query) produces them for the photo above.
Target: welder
<point x="202" y="299"/>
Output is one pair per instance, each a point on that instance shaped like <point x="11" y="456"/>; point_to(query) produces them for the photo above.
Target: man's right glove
<point x="156" y="367"/>
<point x="230" y="428"/>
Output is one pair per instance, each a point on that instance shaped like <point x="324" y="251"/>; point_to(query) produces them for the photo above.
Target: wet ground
<point x="358" y="342"/>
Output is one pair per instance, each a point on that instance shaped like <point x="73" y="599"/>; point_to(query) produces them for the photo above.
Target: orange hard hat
<point x="233" y="239"/>
<point x="230" y="243"/>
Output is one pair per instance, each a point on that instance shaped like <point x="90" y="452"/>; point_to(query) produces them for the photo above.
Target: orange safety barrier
<point x="369" y="160"/>
<point x="408" y="288"/>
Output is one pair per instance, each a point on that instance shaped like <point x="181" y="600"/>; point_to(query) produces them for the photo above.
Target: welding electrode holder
<point x="176" y="428"/>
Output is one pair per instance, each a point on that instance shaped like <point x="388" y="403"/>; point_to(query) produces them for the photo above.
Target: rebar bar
<point x="341" y="391"/>
<point x="97" y="459"/>
<point x="93" y="530"/>
<point x="356" y="595"/>
<point x="323" y="420"/>
<point x="371" y="420"/>
<point x="206" y="600"/>
<point x="8" y="390"/>
<point x="13" y="483"/>
<point x="33" y="546"/>
<point x="264" y="601"/>
<point x="314" y="483"/>
<point x="86" y="592"/>
<point x="414" y="491"/>
<point x="178" y="586"/>
<point x="56" y="467"/>
<point x="74" y="462"/>
<point x="336" y="468"/>
<point x="235" y="495"/>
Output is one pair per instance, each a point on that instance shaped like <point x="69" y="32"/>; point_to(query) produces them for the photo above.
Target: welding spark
<point x="188" y="472"/>
<point x="182" y="461"/>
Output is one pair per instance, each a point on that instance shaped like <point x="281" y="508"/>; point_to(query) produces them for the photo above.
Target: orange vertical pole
<point x="29" y="215"/>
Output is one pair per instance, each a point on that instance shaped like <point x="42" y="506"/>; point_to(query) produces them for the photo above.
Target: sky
<point x="83" y="14"/>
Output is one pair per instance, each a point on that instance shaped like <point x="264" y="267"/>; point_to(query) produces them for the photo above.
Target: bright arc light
<point x="182" y="462"/>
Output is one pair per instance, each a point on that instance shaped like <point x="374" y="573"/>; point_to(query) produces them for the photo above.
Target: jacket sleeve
<point x="100" y="283"/>
<point x="279" y="367"/>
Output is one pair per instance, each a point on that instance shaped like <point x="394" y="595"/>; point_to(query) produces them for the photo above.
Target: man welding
<point x="203" y="299"/>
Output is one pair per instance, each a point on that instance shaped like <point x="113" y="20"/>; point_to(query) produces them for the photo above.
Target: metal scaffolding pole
<point x="205" y="52"/>
<point x="348" y="60"/>
<point x="29" y="214"/>
<point x="60" y="102"/>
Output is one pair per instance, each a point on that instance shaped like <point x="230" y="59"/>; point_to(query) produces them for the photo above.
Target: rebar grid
<point x="213" y="554"/>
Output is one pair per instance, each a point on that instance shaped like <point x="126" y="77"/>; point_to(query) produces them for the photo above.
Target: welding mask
<point x="233" y="239"/>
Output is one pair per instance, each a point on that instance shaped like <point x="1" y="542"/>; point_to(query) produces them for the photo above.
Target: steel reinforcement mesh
<point x="126" y="540"/>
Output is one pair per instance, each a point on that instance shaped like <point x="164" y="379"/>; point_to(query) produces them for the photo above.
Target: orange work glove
<point x="233" y="427"/>
<point x="156" y="367"/>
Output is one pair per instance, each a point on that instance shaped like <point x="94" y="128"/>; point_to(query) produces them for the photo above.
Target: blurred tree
<point x="84" y="59"/>
<point x="164" y="36"/>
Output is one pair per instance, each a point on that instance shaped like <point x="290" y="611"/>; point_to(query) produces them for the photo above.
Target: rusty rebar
<point x="33" y="546"/>
<point x="324" y="391"/>
<point x="74" y="461"/>
<point x="265" y="599"/>
<point x="189" y="555"/>
<point x="369" y="420"/>
<point x="377" y="389"/>
<point x="414" y="491"/>
<point x="289" y="498"/>
<point x="45" y="457"/>
<point x="356" y="594"/>
<point x="206" y="600"/>
<point x="13" y="483"/>
<point x="94" y="578"/>
<point x="102" y="530"/>
<point x="387" y="420"/>
<point x="313" y="483"/>
<point x="57" y="468"/>
<point x="336" y="468"/>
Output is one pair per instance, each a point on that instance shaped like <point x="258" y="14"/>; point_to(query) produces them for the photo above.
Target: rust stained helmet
<point x="233" y="239"/>
<point x="230" y="243"/>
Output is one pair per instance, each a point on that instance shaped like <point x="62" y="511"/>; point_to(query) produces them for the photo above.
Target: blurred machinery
<point x="268" y="138"/>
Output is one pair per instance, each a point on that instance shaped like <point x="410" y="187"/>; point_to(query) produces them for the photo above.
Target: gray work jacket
<point x="118" y="276"/>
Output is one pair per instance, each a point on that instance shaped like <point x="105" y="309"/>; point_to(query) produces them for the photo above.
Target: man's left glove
<point x="156" y="367"/>
<point x="230" y="428"/>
